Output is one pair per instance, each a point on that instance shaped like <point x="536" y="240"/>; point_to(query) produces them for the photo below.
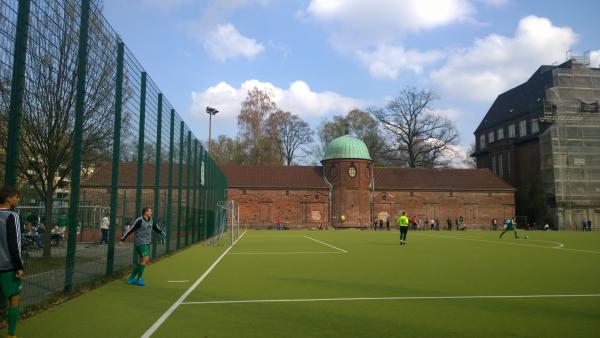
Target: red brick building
<point x="348" y="191"/>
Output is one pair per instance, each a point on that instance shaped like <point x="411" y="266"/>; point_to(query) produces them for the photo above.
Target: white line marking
<point x="177" y="281"/>
<point x="329" y="245"/>
<point x="175" y="305"/>
<point x="560" y="247"/>
<point x="287" y="253"/>
<point x="306" y="300"/>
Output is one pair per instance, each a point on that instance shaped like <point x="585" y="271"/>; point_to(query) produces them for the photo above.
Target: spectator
<point x="449" y="221"/>
<point x="104" y="227"/>
<point x="494" y="224"/>
<point x="589" y="225"/>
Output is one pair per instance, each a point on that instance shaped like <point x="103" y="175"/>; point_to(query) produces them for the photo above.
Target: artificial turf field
<point x="351" y="284"/>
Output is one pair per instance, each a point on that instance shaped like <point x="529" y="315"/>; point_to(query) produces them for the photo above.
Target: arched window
<point x="352" y="171"/>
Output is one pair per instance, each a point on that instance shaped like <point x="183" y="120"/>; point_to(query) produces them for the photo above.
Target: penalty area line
<point x="329" y="245"/>
<point x="288" y="253"/>
<point x="175" y="305"/>
<point x="308" y="300"/>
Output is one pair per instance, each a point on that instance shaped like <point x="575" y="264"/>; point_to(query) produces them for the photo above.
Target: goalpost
<point x="227" y="223"/>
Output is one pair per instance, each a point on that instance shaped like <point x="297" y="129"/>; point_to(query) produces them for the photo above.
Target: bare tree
<point x="290" y="133"/>
<point x="258" y="147"/>
<point x="469" y="161"/>
<point x="49" y="104"/>
<point x="421" y="138"/>
<point x="226" y="150"/>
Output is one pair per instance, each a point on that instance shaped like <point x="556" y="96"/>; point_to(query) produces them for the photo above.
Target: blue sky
<point x="320" y="58"/>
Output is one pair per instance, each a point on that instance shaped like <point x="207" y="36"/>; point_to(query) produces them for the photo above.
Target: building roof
<point x="347" y="147"/>
<point x="390" y="178"/>
<point x="300" y="177"/>
<point x="292" y="177"/>
<point x="520" y="100"/>
<point x="101" y="177"/>
<point x="311" y="177"/>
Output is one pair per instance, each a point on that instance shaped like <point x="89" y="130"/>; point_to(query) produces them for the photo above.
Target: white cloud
<point x="595" y="58"/>
<point x="298" y="98"/>
<point x="386" y="61"/>
<point x="497" y="63"/>
<point x="380" y="20"/>
<point x="225" y="42"/>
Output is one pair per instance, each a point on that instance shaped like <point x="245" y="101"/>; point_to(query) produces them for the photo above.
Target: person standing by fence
<point x="104" y="226"/>
<point x="11" y="265"/>
<point x="143" y="228"/>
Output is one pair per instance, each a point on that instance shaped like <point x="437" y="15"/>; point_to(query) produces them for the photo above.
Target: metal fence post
<point x="114" y="188"/>
<point x="170" y="188"/>
<point x="17" y="91"/>
<point x="140" y="155"/>
<point x="194" y="192"/>
<point x="157" y="169"/>
<point x="180" y="179"/>
<point x="187" y="188"/>
<point x="77" y="141"/>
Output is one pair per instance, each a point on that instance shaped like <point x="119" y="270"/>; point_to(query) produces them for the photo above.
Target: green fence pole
<point x="141" y="143"/>
<point x="82" y="57"/>
<point x="194" y="191"/>
<point x="187" y="188"/>
<point x="180" y="179"/>
<point x="114" y="188"/>
<point x="203" y="196"/>
<point x="17" y="91"/>
<point x="157" y="169"/>
<point x="140" y="155"/>
<point x="170" y="188"/>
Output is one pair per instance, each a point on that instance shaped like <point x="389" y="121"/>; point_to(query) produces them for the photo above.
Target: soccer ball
<point x="526" y="237"/>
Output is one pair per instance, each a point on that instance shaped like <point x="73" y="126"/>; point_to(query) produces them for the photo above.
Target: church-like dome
<point x="347" y="147"/>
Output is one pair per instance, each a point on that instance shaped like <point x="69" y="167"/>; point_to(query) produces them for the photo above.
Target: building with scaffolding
<point x="543" y="137"/>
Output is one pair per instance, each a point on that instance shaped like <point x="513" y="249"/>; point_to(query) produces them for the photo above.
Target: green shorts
<point x="142" y="250"/>
<point x="10" y="286"/>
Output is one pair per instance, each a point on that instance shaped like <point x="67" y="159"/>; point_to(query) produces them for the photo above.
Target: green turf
<point x="287" y="265"/>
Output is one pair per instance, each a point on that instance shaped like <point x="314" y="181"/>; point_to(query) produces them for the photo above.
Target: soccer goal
<point x="227" y="223"/>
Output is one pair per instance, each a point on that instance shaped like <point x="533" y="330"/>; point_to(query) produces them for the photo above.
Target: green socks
<point x="141" y="268"/>
<point x="137" y="272"/>
<point x="13" y="316"/>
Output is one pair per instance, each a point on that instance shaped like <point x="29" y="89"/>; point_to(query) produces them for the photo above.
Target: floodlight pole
<point x="210" y="111"/>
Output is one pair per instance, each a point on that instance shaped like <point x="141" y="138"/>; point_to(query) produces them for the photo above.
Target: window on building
<point x="352" y="171"/>
<point x="481" y="142"/>
<point x="511" y="131"/>
<point x="494" y="165"/>
<point x="500" y="134"/>
<point x="490" y="137"/>
<point x="500" y="168"/>
<point x="522" y="128"/>
<point x="535" y="126"/>
<point x="508" y="163"/>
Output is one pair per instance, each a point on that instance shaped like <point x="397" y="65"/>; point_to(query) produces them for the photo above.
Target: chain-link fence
<point x="90" y="140"/>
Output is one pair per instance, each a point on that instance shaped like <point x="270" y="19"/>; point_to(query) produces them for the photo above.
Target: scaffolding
<point x="570" y="146"/>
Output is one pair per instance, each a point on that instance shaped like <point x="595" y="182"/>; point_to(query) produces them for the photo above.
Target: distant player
<point x="142" y="227"/>
<point x="11" y="265"/>
<point x="509" y="225"/>
<point x="403" y="224"/>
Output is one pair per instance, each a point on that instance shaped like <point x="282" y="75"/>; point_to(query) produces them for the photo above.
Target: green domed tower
<point x="348" y="169"/>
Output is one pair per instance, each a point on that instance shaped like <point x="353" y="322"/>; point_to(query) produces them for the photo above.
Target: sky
<point x="321" y="58"/>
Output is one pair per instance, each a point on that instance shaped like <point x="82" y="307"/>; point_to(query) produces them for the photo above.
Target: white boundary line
<point x="175" y="305"/>
<point x="287" y="253"/>
<point x="560" y="247"/>
<point x="329" y="245"/>
<point x="307" y="300"/>
<point x="177" y="281"/>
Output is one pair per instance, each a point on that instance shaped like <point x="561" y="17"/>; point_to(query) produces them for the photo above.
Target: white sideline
<point x="329" y="245"/>
<point x="305" y="300"/>
<point x="287" y="253"/>
<point x="559" y="247"/>
<point x="175" y="305"/>
<point x="177" y="281"/>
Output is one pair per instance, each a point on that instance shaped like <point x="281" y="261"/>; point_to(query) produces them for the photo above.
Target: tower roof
<point x="347" y="147"/>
